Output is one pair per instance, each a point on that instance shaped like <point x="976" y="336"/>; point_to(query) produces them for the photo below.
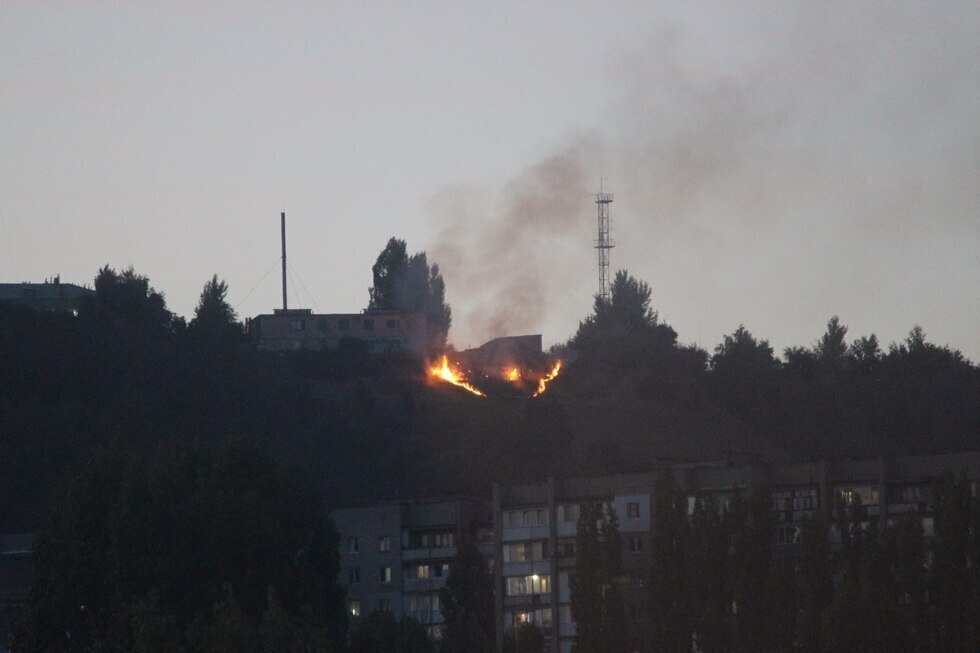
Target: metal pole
<point x="285" y="305"/>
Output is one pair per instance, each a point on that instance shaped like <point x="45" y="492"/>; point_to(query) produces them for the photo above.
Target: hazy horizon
<point x="773" y="164"/>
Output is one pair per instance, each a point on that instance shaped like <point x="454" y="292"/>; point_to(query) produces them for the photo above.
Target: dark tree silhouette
<point x="215" y="321"/>
<point x="467" y="602"/>
<point x="409" y="283"/>
<point x="186" y="547"/>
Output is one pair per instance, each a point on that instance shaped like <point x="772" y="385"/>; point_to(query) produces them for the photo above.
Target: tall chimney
<point x="285" y="304"/>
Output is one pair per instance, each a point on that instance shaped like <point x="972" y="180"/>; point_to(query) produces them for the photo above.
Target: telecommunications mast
<point x="604" y="243"/>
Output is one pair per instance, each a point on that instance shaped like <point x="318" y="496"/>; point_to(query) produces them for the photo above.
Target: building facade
<point x="537" y="523"/>
<point x="48" y="296"/>
<point x="395" y="557"/>
<point x="302" y="329"/>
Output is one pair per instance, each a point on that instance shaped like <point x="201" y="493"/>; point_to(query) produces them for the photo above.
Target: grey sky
<point x="773" y="163"/>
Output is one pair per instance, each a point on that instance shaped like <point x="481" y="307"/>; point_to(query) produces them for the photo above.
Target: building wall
<point x="417" y="541"/>
<point x="548" y="511"/>
<point x="295" y="329"/>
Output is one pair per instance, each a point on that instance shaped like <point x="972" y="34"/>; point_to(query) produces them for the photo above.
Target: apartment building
<point x="395" y="556"/>
<point x="537" y="522"/>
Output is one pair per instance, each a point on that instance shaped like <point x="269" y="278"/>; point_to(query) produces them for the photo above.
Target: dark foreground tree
<point x="380" y="632"/>
<point x="197" y="547"/>
<point x="526" y="638"/>
<point x="409" y="283"/>
<point x="597" y="604"/>
<point x="467" y="602"/>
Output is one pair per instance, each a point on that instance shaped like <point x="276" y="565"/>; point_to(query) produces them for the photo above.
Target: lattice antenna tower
<point x="603" y="243"/>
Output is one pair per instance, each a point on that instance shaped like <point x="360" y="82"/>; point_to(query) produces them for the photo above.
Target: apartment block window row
<point x="540" y="617"/>
<point x="525" y="518"/>
<point x="528" y="585"/>
<point x="428" y="570"/>
<point x="861" y="495"/>
<point x="422" y="607"/>
<point x="526" y="552"/>
<point x="432" y="540"/>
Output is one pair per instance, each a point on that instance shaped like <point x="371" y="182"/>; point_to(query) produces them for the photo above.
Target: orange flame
<point x="543" y="383"/>
<point x="446" y="373"/>
<point x="512" y="374"/>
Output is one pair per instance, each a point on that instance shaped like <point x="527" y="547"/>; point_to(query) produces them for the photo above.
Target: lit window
<point x="355" y="608"/>
<point x="524" y="585"/>
<point x="385" y="574"/>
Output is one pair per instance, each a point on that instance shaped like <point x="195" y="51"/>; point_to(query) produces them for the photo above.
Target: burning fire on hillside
<point x="443" y="371"/>
<point x="510" y="366"/>
<point x="521" y="379"/>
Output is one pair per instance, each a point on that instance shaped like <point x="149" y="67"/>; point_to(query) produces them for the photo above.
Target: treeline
<point x="714" y="583"/>
<point x="838" y="397"/>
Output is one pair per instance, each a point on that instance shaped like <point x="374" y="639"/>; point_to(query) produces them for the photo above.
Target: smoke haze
<point x="772" y="167"/>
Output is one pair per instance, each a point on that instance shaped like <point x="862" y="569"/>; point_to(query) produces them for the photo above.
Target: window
<point x="636" y="579"/>
<point x="525" y="551"/>
<point x="566" y="548"/>
<point x="385" y="605"/>
<point x="321" y="325"/>
<point x="385" y="574"/>
<point x="354" y="608"/>
<point x="423" y="571"/>
<point x="354" y="575"/>
<point x="353" y="544"/>
<point x="384" y="544"/>
<point x="633" y="510"/>
<point x="542" y="517"/>
<point x="525" y="585"/>
<point x="436" y="540"/>
<point x="636" y="544"/>
<point x="540" y="617"/>
<point x="391" y="324"/>
<point x="421" y="607"/>
<point x="526" y="518"/>
<point x="297" y="325"/>
<point x="565" y="614"/>
<point x="368" y="324"/>
<point x="343" y="324"/>
<point x="568" y="512"/>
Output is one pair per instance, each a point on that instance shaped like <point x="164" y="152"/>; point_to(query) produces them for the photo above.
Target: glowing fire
<point x="543" y="383"/>
<point x="512" y="374"/>
<point x="446" y="373"/>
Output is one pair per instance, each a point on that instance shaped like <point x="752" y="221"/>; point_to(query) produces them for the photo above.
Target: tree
<point x="408" y="283"/>
<point x="182" y="547"/>
<point x="670" y="595"/>
<point x="526" y="638"/>
<point x="127" y="302"/>
<point x="957" y="580"/>
<point x="743" y="377"/>
<point x="597" y="605"/>
<point x="380" y="632"/>
<point x="467" y="602"/>
<point x="831" y="347"/>
<point x="214" y="319"/>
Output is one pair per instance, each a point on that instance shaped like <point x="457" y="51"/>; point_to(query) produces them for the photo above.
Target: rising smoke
<point x="814" y="160"/>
